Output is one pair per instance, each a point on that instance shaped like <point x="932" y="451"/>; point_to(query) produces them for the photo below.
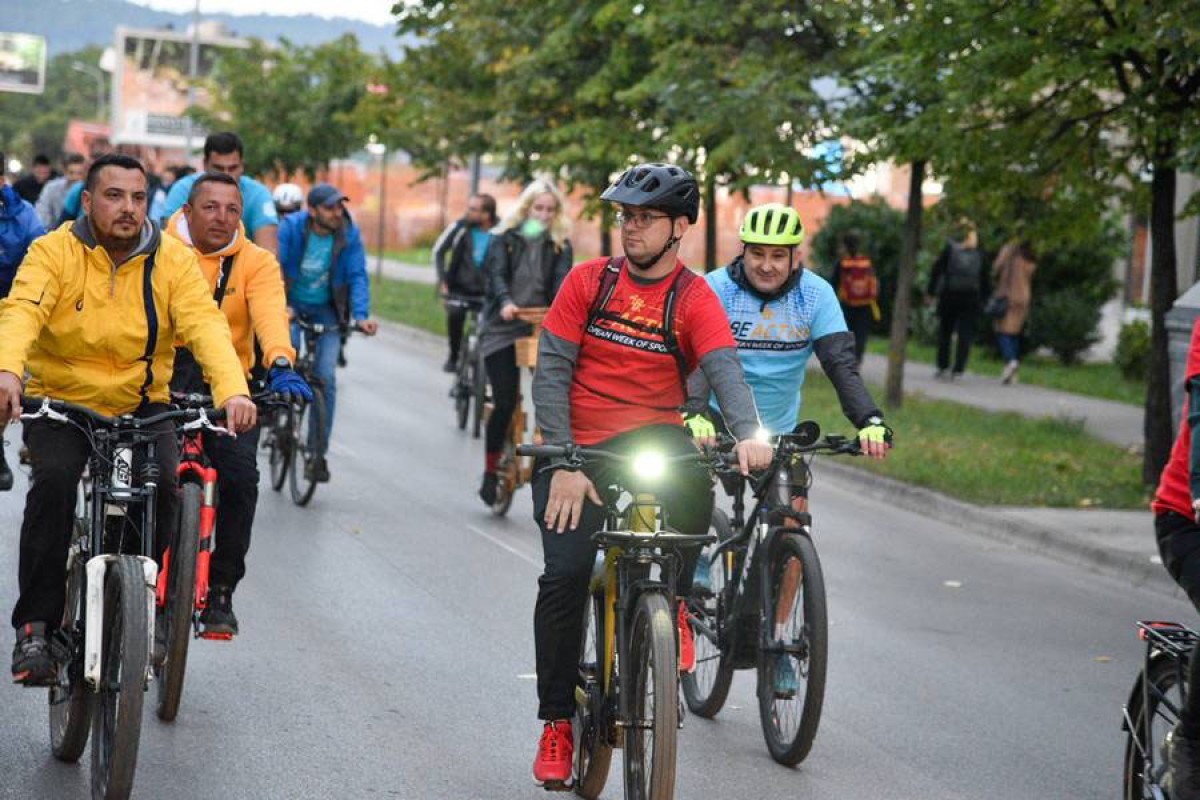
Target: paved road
<point x="387" y="647"/>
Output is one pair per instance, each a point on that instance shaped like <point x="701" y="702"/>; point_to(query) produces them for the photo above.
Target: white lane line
<point x="523" y="556"/>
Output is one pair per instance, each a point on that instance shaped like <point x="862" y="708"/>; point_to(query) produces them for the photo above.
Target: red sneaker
<point x="555" y="754"/>
<point x="687" y="644"/>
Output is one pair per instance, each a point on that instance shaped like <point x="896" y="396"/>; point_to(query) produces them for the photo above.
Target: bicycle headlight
<point x="649" y="464"/>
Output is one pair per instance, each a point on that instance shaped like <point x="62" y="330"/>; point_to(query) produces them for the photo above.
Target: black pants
<point x="957" y="314"/>
<point x="59" y="453"/>
<point x="687" y="496"/>
<point x="859" y="320"/>
<point x="237" y="493"/>
<point x="505" y="378"/>
<point x="456" y="320"/>
<point x="1179" y="545"/>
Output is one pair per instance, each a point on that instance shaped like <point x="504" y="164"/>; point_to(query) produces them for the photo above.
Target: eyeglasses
<point x="641" y="219"/>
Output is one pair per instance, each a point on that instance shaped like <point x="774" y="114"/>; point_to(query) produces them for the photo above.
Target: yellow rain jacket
<point x="255" y="302"/>
<point x="103" y="336"/>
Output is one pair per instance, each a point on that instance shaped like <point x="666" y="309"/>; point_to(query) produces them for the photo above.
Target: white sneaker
<point x="1009" y="375"/>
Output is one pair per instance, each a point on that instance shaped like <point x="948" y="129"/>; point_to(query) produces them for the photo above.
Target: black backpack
<point x="964" y="270"/>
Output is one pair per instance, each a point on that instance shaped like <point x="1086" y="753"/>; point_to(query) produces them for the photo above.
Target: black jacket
<point x="459" y="272"/>
<point x="503" y="257"/>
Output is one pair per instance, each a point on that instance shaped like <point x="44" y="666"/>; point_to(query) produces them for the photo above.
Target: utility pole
<point x="193" y="68"/>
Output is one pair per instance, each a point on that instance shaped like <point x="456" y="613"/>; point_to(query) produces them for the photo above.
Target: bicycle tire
<point x="462" y="390"/>
<point x="70" y="699"/>
<point x="176" y="616"/>
<point x="654" y="659"/>
<point x="117" y="721"/>
<point x="301" y="479"/>
<point x="1164" y="682"/>
<point x="706" y="689"/>
<point x="505" y="487"/>
<point x="478" y="392"/>
<point x="786" y="749"/>
<point x="279" y="448"/>
<point x="593" y="749"/>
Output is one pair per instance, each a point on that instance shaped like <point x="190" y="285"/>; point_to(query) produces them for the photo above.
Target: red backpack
<point x="857" y="284"/>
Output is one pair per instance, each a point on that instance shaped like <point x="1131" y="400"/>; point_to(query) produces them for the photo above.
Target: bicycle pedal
<point x="216" y="637"/>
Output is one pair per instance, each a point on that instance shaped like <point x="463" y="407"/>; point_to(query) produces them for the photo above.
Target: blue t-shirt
<point x="775" y="341"/>
<point x="480" y="239"/>
<point x="258" y="208"/>
<point x="312" y="286"/>
<point x="72" y="204"/>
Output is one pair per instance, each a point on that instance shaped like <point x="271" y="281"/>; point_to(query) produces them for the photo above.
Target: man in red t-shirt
<point x="613" y="359"/>
<point x="1176" y="515"/>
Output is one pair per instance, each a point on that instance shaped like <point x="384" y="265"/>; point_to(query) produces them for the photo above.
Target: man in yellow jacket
<point x="246" y="283"/>
<point x="93" y="316"/>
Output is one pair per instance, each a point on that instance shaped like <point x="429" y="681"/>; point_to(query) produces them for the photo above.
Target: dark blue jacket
<point x="351" y="287"/>
<point x="19" y="226"/>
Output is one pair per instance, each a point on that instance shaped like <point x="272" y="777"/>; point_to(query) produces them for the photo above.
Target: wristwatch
<point x="874" y="420"/>
<point x="281" y="363"/>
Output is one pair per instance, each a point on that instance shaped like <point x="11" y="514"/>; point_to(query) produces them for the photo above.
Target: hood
<point x="737" y="271"/>
<point x="177" y="226"/>
<point x="151" y="236"/>
<point x="10" y="202"/>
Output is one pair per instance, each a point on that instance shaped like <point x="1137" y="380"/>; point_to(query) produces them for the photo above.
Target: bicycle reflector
<point x="649" y="464"/>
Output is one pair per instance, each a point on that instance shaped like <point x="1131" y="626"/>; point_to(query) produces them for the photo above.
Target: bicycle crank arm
<point x="96" y="571"/>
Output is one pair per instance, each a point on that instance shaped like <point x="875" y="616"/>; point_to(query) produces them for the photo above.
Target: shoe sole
<point x="555" y="786"/>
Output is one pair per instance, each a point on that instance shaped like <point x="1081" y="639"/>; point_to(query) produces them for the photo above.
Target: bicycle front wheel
<point x="593" y="748"/>
<point x="278" y="446"/>
<point x="117" y="722"/>
<point x="462" y="390"/>
<point x="306" y="447"/>
<point x="176" y="616"/>
<point x="706" y="688"/>
<point x="650" y="736"/>
<point x="791" y="672"/>
<point x="478" y="393"/>
<point x="1145" y="762"/>
<point x="70" y="699"/>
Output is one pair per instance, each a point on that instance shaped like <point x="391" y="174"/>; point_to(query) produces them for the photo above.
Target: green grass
<point x="992" y="458"/>
<point x="1104" y="380"/>
<point x="422" y="256"/>
<point x="410" y="303"/>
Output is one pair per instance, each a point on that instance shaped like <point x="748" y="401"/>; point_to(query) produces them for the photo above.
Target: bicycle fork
<point x="96" y="571"/>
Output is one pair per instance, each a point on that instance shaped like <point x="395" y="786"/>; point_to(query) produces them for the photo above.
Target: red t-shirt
<point x="620" y="361"/>
<point x="1174" y="487"/>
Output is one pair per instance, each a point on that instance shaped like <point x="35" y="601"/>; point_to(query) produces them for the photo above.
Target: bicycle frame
<point x="1164" y="641"/>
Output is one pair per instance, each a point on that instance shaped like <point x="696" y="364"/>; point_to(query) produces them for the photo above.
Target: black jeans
<point x="859" y="320"/>
<point x="237" y="492"/>
<point x="456" y="320"/>
<point x="59" y="452"/>
<point x="957" y="314"/>
<point x="687" y="496"/>
<point x="1179" y="545"/>
<point x="505" y="378"/>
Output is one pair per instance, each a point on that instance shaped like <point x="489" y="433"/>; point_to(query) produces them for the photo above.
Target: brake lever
<point x="46" y="412"/>
<point x="204" y="423"/>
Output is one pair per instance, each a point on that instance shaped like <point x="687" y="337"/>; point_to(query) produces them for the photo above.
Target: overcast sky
<point x="375" y="11"/>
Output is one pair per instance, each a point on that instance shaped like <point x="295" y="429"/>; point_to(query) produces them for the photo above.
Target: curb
<point x="1061" y="545"/>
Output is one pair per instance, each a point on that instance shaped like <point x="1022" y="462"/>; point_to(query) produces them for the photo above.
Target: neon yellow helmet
<point x="772" y="224"/>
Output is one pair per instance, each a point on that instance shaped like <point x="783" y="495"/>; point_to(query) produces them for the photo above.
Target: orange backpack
<point x="857" y="284"/>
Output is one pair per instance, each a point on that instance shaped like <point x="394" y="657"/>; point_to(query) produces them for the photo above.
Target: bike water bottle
<point x="122" y="473"/>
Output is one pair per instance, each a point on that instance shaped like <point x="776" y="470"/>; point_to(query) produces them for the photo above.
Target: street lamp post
<point x="95" y="72"/>
<point x="378" y="148"/>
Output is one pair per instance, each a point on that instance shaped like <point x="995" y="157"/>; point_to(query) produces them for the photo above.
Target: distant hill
<point x="74" y="24"/>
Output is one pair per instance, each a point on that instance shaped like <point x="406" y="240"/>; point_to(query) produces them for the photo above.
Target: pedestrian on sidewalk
<point x="459" y="256"/>
<point x="1176" y="509"/>
<point x="526" y="265"/>
<point x="1013" y="276"/>
<point x="857" y="291"/>
<point x="958" y="283"/>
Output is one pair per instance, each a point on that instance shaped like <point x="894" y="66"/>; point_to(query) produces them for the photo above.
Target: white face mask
<point x="532" y="228"/>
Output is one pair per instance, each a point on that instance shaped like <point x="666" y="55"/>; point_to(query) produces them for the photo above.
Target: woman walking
<point x="1013" y="273"/>
<point x="524" y="268"/>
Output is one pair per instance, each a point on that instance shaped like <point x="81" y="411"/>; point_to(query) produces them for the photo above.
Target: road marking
<point x="524" y="557"/>
<point x="527" y="676"/>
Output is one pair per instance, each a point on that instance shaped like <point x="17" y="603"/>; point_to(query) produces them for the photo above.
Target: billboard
<point x="22" y="63"/>
<point x="150" y="84"/>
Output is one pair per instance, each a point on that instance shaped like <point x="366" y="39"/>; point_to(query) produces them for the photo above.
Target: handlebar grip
<point x="541" y="450"/>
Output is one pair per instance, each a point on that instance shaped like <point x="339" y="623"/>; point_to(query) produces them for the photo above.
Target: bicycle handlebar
<point x="579" y="455"/>
<point x="37" y="407"/>
<point x="319" y="328"/>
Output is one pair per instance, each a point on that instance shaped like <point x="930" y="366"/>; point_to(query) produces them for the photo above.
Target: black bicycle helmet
<point x="663" y="186"/>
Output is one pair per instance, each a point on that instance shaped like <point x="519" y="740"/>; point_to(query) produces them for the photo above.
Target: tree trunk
<point x="1163" y="291"/>
<point x="902" y="302"/>
<point x="606" y="231"/>
<point x="710" y="224"/>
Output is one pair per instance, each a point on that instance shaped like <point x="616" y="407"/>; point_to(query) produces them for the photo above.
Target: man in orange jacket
<point x="246" y="284"/>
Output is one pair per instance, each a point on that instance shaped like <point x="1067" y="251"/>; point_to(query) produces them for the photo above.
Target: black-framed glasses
<point x="638" y="219"/>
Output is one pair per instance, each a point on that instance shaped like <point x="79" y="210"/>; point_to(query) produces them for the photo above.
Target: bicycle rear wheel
<point x="1145" y="764"/>
<point x="70" y="699"/>
<point x="790" y="706"/>
<point x="306" y="449"/>
<point x="176" y="617"/>
<point x="478" y="393"/>
<point x="706" y="688"/>
<point x="506" y="486"/>
<point x="593" y="749"/>
<point x="650" y="738"/>
<point x="117" y="722"/>
<point x="278" y="445"/>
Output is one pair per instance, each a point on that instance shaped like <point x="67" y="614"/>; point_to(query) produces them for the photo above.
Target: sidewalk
<point x="1118" y="423"/>
<point x="401" y="271"/>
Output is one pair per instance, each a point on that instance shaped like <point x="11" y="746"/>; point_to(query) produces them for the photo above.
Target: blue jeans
<point x="1010" y="346"/>
<point x="325" y="361"/>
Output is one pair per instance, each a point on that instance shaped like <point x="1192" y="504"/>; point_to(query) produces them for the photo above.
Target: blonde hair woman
<point x="525" y="266"/>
